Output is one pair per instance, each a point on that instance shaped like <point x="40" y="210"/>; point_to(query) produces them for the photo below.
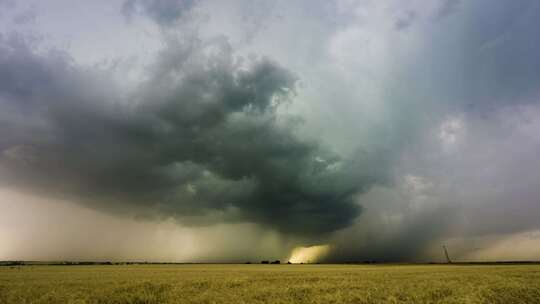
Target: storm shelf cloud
<point x="374" y="130"/>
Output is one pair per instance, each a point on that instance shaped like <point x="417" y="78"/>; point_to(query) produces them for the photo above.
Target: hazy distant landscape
<point x="270" y="284"/>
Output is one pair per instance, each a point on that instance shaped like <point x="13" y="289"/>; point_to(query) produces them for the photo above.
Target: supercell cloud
<point x="377" y="129"/>
<point x="199" y="139"/>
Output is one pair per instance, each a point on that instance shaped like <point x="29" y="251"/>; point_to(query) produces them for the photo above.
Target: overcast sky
<point x="201" y="130"/>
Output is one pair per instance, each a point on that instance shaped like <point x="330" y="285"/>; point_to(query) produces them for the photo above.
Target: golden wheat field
<point x="503" y="284"/>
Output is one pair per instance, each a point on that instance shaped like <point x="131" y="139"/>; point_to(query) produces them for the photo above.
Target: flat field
<point x="503" y="284"/>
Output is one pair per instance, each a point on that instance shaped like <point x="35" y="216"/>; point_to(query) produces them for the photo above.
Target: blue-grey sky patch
<point x="164" y="12"/>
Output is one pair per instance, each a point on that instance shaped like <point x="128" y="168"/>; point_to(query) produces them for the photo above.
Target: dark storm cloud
<point x="440" y="102"/>
<point x="164" y="12"/>
<point x="199" y="140"/>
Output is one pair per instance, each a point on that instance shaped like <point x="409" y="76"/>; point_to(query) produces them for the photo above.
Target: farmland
<point x="270" y="284"/>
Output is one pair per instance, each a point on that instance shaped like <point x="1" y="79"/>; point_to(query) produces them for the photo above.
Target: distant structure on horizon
<point x="446" y="254"/>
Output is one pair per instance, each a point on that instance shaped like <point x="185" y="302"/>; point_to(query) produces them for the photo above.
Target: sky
<point x="232" y="131"/>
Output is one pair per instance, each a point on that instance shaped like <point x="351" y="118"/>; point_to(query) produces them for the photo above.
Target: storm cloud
<point x="200" y="140"/>
<point x="382" y="129"/>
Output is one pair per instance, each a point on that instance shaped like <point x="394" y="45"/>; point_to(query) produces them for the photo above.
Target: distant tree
<point x="276" y="262"/>
<point x="264" y="262"/>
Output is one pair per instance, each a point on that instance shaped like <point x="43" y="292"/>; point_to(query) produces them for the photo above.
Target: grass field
<point x="503" y="284"/>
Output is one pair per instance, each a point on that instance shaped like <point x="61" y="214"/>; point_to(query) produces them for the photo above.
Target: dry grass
<point x="270" y="284"/>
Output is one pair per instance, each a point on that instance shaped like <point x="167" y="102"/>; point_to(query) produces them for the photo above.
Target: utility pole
<point x="446" y="254"/>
